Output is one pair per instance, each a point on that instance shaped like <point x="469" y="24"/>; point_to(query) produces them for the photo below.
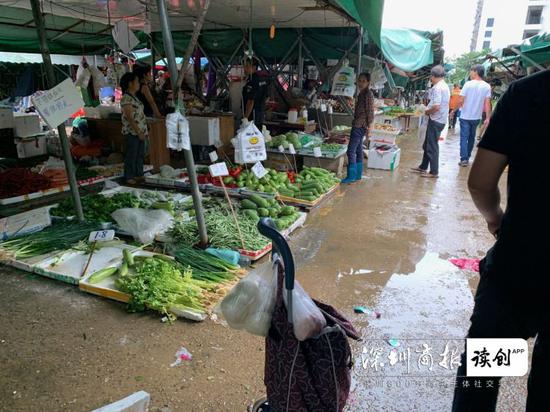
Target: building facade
<point x="501" y="23"/>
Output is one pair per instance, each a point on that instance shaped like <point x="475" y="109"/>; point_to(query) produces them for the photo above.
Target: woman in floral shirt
<point x="134" y="128"/>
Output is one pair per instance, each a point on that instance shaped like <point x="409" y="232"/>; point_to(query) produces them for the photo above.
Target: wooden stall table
<point x="111" y="131"/>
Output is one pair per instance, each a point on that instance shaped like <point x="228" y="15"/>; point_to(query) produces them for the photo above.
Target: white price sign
<point x="323" y="107"/>
<point x="281" y="149"/>
<point x="317" y="152"/>
<point x="58" y="104"/>
<point x="213" y="156"/>
<point x="218" y="169"/>
<point x="259" y="170"/>
<point x="101" y="236"/>
<point x="291" y="148"/>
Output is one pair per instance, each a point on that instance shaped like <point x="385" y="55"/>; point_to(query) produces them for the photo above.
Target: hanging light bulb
<point x="272" y="32"/>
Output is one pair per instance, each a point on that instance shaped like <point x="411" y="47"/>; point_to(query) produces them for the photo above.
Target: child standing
<point x="134" y="128"/>
<point x="362" y="121"/>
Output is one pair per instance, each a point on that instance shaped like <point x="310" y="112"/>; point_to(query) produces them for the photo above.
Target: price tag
<point x="218" y="169"/>
<point x="101" y="236"/>
<point x="317" y="152"/>
<point x="323" y="107"/>
<point x="259" y="170"/>
<point x="213" y="156"/>
<point x="291" y="148"/>
<point x="281" y="149"/>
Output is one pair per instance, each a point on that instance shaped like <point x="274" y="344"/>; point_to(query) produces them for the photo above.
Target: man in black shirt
<point x="254" y="94"/>
<point x="512" y="297"/>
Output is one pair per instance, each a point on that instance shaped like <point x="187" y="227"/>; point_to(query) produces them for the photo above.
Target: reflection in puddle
<point x="431" y="304"/>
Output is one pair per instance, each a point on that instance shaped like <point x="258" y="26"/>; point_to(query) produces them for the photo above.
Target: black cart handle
<point x="266" y="227"/>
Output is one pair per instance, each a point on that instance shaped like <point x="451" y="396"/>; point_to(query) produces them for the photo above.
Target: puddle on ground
<point x="431" y="305"/>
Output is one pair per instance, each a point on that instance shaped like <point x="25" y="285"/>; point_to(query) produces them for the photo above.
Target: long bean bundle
<point x="222" y="230"/>
<point x="59" y="236"/>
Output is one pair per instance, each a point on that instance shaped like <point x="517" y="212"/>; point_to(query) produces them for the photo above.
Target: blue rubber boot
<point x="350" y="178"/>
<point x="358" y="170"/>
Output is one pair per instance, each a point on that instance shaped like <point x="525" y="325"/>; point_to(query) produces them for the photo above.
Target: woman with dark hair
<point x="144" y="94"/>
<point x="362" y="121"/>
<point x="134" y="128"/>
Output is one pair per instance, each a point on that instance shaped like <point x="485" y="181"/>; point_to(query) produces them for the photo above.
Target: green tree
<point x="462" y="64"/>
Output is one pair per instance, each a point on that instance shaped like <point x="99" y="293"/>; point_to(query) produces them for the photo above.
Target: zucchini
<point x="101" y="275"/>
<point x="128" y="257"/>
<point x="260" y="201"/>
<point x="273" y="213"/>
<point x="287" y="210"/>
<point x="123" y="269"/>
<point x="248" y="204"/>
<point x="263" y="212"/>
<point x="308" y="198"/>
<point x="163" y="257"/>
<point x="251" y="214"/>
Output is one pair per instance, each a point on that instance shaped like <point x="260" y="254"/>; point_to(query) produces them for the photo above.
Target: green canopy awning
<point x="407" y="49"/>
<point x="368" y="13"/>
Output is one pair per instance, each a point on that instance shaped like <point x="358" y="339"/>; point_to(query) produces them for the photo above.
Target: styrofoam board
<point x="297" y="224"/>
<point x="72" y="263"/>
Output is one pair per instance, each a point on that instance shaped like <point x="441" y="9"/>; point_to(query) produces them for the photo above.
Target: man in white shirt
<point x="438" y="112"/>
<point x="475" y="99"/>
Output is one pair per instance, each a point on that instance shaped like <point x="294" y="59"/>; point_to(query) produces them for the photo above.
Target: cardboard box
<point x="31" y="146"/>
<point x="6" y="118"/>
<point x="384" y="159"/>
<point x="26" y="125"/>
<point x="204" y="131"/>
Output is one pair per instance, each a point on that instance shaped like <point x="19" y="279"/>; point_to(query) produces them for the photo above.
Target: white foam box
<point x="26" y="125"/>
<point x="385" y="160"/>
<point x="6" y="118"/>
<point x="204" y="131"/>
<point x="31" y="146"/>
<point x="26" y="222"/>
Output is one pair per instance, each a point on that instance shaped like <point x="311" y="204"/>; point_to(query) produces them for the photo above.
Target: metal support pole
<point x="189" y="161"/>
<point x="50" y="80"/>
<point x="300" y="62"/>
<point x="360" y="51"/>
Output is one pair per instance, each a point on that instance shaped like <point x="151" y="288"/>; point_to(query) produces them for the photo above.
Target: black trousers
<point x="499" y="313"/>
<point x="431" y="147"/>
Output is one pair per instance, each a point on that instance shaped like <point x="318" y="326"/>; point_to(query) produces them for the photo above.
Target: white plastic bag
<point x="307" y="319"/>
<point x="343" y="83"/>
<point x="249" y="144"/>
<point x="250" y="303"/>
<point x="177" y="131"/>
<point x="143" y="224"/>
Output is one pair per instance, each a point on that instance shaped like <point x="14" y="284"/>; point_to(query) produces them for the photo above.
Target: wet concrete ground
<point x="382" y="243"/>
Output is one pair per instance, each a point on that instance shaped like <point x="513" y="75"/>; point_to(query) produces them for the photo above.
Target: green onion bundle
<point x="59" y="236"/>
<point x="205" y="266"/>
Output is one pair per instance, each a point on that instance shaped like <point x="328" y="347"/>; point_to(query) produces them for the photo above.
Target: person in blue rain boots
<point x="362" y="121"/>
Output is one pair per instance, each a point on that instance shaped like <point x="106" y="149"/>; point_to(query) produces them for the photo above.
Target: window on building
<point x="534" y="15"/>
<point x="530" y="33"/>
<point x="490" y="22"/>
<point x="486" y="45"/>
<point x="488" y="34"/>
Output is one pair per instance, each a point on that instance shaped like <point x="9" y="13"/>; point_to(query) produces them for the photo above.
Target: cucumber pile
<point x="270" y="183"/>
<point x="311" y="183"/>
<point x="256" y="207"/>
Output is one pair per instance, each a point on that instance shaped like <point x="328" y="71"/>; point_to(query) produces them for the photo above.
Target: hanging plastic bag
<point x="177" y="130"/>
<point x="249" y="144"/>
<point x="143" y="224"/>
<point x="307" y="319"/>
<point x="343" y="83"/>
<point x="249" y="305"/>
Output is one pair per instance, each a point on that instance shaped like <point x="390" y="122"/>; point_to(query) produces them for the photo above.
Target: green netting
<point x="407" y="49"/>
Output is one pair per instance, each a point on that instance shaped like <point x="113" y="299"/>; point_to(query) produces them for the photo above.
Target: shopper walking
<point x="512" y="297"/>
<point x="438" y="112"/>
<point x="134" y="128"/>
<point x="454" y="106"/>
<point x="475" y="100"/>
<point x="362" y="122"/>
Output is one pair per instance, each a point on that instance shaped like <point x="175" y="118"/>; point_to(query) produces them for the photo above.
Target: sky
<point x="455" y="18"/>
